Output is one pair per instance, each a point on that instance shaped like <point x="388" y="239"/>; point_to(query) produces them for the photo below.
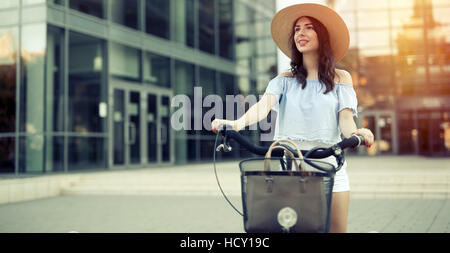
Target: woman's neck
<point x="311" y="63"/>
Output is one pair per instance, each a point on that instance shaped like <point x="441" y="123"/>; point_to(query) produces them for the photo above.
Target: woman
<point x="316" y="102"/>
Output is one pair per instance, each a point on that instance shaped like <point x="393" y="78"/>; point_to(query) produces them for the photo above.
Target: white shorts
<point x="341" y="181"/>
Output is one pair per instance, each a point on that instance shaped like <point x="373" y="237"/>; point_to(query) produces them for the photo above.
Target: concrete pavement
<point x="201" y="214"/>
<point x="389" y="194"/>
<point x="382" y="177"/>
<point x="388" y="177"/>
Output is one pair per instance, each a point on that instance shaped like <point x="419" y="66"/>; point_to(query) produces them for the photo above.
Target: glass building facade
<point x="399" y="58"/>
<point x="88" y="84"/>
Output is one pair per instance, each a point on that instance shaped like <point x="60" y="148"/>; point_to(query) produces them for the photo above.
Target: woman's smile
<point x="302" y="43"/>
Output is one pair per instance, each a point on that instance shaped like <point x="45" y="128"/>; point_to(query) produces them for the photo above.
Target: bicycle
<point x="319" y="171"/>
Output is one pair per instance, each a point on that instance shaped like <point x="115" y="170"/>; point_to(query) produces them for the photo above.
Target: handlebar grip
<point x="352" y="142"/>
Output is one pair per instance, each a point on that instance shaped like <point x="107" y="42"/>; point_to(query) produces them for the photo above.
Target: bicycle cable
<point x="217" y="178"/>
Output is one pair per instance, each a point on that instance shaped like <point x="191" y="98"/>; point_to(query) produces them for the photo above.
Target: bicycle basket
<point x="266" y="192"/>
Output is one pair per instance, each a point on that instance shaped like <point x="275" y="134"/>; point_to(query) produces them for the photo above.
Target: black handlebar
<point x="336" y="149"/>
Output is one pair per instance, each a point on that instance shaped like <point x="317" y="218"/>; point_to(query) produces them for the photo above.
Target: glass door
<point x="165" y="128"/>
<point x="141" y="130"/>
<point x="126" y="119"/>
<point x="383" y="125"/>
<point x="158" y="128"/>
<point x="134" y="133"/>
<point x="119" y="127"/>
<point x="152" y="122"/>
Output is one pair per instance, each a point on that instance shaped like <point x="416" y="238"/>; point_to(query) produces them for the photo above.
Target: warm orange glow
<point x="362" y="81"/>
<point x="446" y="126"/>
<point x="7" y="51"/>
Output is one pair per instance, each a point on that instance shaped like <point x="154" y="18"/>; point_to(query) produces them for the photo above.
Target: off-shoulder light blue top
<point x="308" y="114"/>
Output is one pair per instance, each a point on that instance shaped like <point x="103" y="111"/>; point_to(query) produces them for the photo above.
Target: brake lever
<point x="224" y="146"/>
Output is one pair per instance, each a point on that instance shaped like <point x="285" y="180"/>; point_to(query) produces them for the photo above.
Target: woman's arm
<point x="346" y="123"/>
<point x="348" y="127"/>
<point x="254" y="114"/>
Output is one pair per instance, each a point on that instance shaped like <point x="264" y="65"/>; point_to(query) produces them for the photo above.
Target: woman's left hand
<point x="367" y="134"/>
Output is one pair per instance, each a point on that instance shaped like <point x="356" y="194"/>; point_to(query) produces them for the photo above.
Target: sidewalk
<point x="382" y="177"/>
<point x="390" y="177"/>
<point x="389" y="194"/>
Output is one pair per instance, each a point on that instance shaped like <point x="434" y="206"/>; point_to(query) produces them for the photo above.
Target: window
<point x="184" y="22"/>
<point x="8" y="39"/>
<point x="157" y="70"/>
<point x="87" y="93"/>
<point x="54" y="104"/>
<point x="124" y="62"/>
<point x="85" y="84"/>
<point x="206" y="26"/>
<point x="125" y="12"/>
<point x="226" y="29"/>
<point x="91" y="7"/>
<point x="185" y="141"/>
<point x="157" y="16"/>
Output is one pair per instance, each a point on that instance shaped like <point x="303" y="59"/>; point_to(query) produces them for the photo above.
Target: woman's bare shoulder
<point x="286" y="74"/>
<point x="342" y="76"/>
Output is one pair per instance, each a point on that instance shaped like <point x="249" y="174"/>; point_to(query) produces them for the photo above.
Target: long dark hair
<point x="326" y="70"/>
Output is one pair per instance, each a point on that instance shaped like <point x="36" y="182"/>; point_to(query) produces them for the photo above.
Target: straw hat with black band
<point x="283" y="22"/>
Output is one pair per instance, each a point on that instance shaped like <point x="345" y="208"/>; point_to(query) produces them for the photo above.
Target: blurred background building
<point x="87" y="84"/>
<point x="400" y="63"/>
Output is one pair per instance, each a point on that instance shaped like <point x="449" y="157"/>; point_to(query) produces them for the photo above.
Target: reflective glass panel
<point x="31" y="150"/>
<point x="8" y="4"/>
<point x="86" y="92"/>
<point x="157" y="16"/>
<point x="134" y="125"/>
<point x="91" y="7"/>
<point x="125" y="12"/>
<point x="192" y="150"/>
<point x="206" y="149"/>
<point x="33" y="81"/>
<point x="208" y="84"/>
<point x="226" y="29"/>
<point x="152" y="116"/>
<point x="119" y="127"/>
<point x="7" y="154"/>
<point x="184" y="78"/>
<point x="157" y="70"/>
<point x="124" y="61"/>
<point x="366" y="38"/>
<point x="190" y="21"/>
<point x="206" y="26"/>
<point x="373" y="19"/>
<point x="30" y="2"/>
<point x="401" y="4"/>
<point x="8" y="42"/>
<point x="184" y="85"/>
<point x="54" y="152"/>
<point x="54" y="102"/>
<point x="184" y="22"/>
<point x="60" y="2"/>
<point x="207" y="81"/>
<point x="86" y="153"/>
<point x="165" y="128"/>
<point x="380" y="4"/>
<point x="349" y="19"/>
<point x="227" y="85"/>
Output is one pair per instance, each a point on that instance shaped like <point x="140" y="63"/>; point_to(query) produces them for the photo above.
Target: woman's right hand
<point x="220" y="122"/>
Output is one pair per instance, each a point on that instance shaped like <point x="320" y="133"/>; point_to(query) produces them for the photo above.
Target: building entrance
<point x="383" y="125"/>
<point x="140" y="126"/>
